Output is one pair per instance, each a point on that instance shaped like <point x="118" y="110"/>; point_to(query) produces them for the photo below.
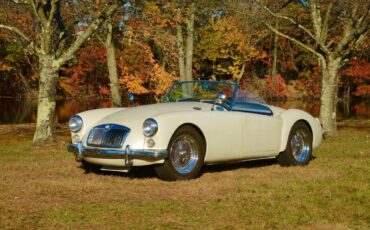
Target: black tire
<point x="186" y="152"/>
<point x="299" y="146"/>
<point x="89" y="167"/>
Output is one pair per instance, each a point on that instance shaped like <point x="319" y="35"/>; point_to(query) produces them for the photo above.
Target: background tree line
<point x="278" y="49"/>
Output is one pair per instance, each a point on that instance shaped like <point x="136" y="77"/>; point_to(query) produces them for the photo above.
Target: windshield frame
<point x="165" y="97"/>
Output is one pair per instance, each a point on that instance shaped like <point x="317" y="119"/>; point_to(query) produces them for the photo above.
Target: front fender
<point x="168" y="124"/>
<point x="91" y="117"/>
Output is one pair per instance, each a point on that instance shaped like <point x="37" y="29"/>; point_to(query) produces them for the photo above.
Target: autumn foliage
<point x="88" y="76"/>
<point x="358" y="74"/>
<point x="226" y="48"/>
<point x="275" y="87"/>
<point x="140" y="71"/>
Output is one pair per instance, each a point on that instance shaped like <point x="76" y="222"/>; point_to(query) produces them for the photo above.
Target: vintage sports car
<point x="197" y="123"/>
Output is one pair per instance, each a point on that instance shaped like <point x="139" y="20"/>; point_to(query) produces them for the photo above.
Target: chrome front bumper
<point x="127" y="155"/>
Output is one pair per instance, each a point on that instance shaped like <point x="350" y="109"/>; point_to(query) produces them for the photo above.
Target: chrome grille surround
<point x="108" y="136"/>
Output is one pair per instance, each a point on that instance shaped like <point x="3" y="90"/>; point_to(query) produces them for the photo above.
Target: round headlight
<point x="150" y="127"/>
<point x="75" y="123"/>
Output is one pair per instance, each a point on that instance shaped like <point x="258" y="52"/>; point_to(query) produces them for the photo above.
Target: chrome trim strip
<point x="110" y="126"/>
<point x="127" y="155"/>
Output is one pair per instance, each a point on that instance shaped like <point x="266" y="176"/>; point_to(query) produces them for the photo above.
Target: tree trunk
<point x="47" y="44"/>
<point x="189" y="45"/>
<point x="329" y="90"/>
<point x="347" y="89"/>
<point x="180" y="46"/>
<point x="274" y="63"/>
<point x="46" y="101"/>
<point x="115" y="87"/>
<point x="355" y="27"/>
<point x="241" y="73"/>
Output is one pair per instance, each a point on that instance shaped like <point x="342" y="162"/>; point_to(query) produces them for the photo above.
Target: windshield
<point x="245" y="96"/>
<point x="205" y="91"/>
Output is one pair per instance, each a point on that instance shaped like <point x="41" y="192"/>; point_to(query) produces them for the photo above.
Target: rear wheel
<point x="186" y="152"/>
<point x="299" y="147"/>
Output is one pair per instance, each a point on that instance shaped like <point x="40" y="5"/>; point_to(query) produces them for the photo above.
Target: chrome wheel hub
<point x="300" y="145"/>
<point x="184" y="154"/>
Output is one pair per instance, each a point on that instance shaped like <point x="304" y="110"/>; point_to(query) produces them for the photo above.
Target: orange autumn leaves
<point x="139" y="71"/>
<point x="358" y="72"/>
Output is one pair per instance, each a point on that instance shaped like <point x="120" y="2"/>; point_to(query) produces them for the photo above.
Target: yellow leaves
<point x="223" y="38"/>
<point x="133" y="84"/>
<point x="231" y="69"/>
<point x="5" y="67"/>
<point x="161" y="79"/>
<point x="197" y="66"/>
<point x="141" y="74"/>
<point x="157" y="15"/>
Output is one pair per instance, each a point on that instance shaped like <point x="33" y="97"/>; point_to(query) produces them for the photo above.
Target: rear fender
<point x="290" y="117"/>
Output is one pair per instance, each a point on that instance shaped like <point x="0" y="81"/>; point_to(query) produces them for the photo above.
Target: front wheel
<point x="186" y="152"/>
<point x="299" y="147"/>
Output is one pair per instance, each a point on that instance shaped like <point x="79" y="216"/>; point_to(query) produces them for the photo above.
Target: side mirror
<point x="130" y="97"/>
<point x="220" y="98"/>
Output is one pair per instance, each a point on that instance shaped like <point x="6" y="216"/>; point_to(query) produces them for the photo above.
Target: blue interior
<point x="252" y="108"/>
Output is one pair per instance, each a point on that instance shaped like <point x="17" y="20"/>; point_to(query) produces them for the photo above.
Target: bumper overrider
<point x="127" y="155"/>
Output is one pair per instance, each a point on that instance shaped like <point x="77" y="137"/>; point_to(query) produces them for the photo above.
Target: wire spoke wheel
<point x="184" y="154"/>
<point x="299" y="147"/>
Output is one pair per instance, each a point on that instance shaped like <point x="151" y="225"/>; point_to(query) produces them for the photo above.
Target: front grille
<point x="108" y="135"/>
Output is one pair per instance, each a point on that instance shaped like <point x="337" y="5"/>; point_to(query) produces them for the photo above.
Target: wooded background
<point x="303" y="49"/>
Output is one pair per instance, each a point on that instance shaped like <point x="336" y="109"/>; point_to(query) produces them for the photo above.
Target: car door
<point x="261" y="135"/>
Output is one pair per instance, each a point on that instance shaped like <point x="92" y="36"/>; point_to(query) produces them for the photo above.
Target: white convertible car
<point x="197" y="123"/>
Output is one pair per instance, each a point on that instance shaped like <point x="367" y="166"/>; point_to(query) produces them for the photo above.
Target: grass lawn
<point x="43" y="187"/>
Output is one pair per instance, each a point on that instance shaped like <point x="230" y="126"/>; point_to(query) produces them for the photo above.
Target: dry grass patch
<point x="43" y="187"/>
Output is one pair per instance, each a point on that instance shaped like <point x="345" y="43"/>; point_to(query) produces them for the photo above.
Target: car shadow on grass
<point x="237" y="165"/>
<point x="142" y="172"/>
<point x="146" y="172"/>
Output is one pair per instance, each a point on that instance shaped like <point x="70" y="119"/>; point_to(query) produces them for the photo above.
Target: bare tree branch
<point x="325" y="25"/>
<point x="28" y="40"/>
<point x="301" y="44"/>
<point x="317" y="39"/>
<point x="52" y="11"/>
<point x="315" y="17"/>
<point x="352" y="34"/>
<point x="15" y="30"/>
<point x="33" y="5"/>
<point x="100" y="39"/>
<point x="69" y="53"/>
<point x="363" y="18"/>
<point x="38" y="7"/>
<point x="288" y="19"/>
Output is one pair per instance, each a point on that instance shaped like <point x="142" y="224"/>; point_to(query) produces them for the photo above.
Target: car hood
<point x="147" y="111"/>
<point x="129" y="116"/>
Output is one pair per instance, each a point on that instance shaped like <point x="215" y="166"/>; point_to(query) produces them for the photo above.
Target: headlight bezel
<point x="75" y="123"/>
<point x="150" y="127"/>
